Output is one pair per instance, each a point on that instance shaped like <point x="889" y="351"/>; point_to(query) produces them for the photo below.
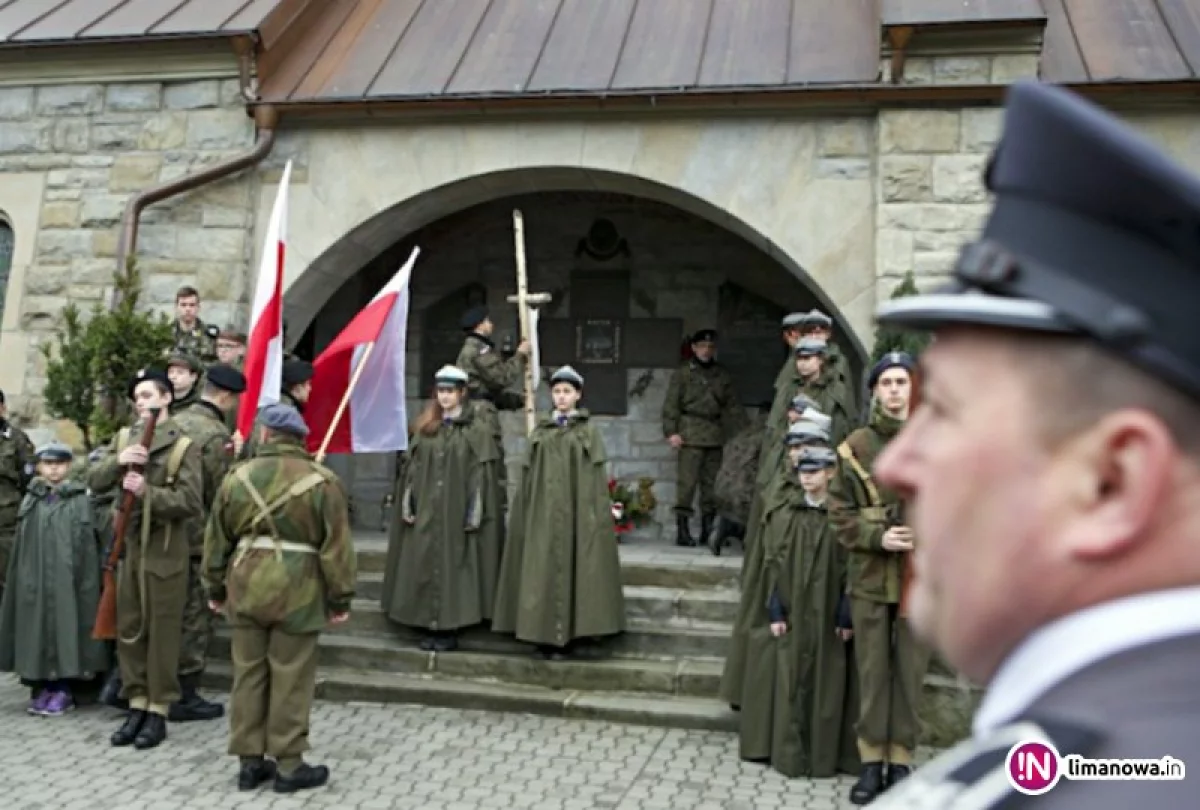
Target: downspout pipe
<point x="266" y="119"/>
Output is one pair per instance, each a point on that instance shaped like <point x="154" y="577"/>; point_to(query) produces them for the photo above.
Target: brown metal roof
<point x="953" y="12"/>
<point x="43" y="21"/>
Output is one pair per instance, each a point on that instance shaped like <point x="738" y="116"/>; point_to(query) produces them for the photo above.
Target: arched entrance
<point x="639" y="269"/>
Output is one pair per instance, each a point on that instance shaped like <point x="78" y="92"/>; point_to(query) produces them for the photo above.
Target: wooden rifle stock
<point x="105" y="627"/>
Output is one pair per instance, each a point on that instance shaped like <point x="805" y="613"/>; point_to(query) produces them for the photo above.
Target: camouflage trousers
<point x="197" y="628"/>
<point x="698" y="467"/>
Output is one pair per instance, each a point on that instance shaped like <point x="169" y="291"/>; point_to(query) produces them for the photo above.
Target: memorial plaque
<point x="598" y="342"/>
<point x="442" y="336"/>
<point x="749" y="344"/>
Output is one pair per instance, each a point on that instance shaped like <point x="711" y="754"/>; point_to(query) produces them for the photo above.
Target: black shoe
<point x="706" y="528"/>
<point x="153" y="732"/>
<point x="446" y="642"/>
<point x="192" y="706"/>
<point x="110" y="693"/>
<point x="303" y="778"/>
<point x="869" y="784"/>
<point x="129" y="730"/>
<point x="896" y="773"/>
<point x="716" y="538"/>
<point x="551" y="653"/>
<point x="683" y="531"/>
<point x="253" y="774"/>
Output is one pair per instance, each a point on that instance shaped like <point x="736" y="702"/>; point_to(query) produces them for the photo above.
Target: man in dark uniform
<point x="698" y="410"/>
<point x="296" y="386"/>
<point x="1053" y="469"/>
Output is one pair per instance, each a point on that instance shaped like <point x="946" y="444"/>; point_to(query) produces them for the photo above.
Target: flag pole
<point x="345" y="403"/>
<point x="523" y="313"/>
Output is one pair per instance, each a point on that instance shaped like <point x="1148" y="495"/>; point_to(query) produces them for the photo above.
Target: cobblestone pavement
<point x="388" y="756"/>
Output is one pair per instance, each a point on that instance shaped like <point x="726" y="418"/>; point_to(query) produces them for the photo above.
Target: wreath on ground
<point x="631" y="506"/>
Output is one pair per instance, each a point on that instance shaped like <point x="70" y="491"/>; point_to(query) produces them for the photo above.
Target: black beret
<point x="296" y="372"/>
<point x="890" y="360"/>
<point x="473" y="317"/>
<point x="1094" y="232"/>
<point x="151" y="375"/>
<point x="213" y="331"/>
<point x="226" y="377"/>
<point x="704" y="334"/>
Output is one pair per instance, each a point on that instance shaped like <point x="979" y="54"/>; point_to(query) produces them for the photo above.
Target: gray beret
<point x="793" y="319"/>
<point x="568" y="375"/>
<point x="808" y="347"/>
<point x="54" y="451"/>
<point x="816" y="458"/>
<point x="815" y="417"/>
<point x="800" y="433"/>
<point x="802" y="402"/>
<point x="283" y="419"/>
<point x="816" y="317"/>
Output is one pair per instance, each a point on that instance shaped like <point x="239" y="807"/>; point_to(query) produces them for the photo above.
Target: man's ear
<point x="1116" y="476"/>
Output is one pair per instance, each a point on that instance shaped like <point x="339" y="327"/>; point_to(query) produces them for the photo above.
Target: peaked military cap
<point x="807" y="347"/>
<point x="815" y="417"/>
<point x="226" y="377"/>
<point x="296" y="372"/>
<point x="54" y="451"/>
<point x="704" y="334"/>
<point x="816" y="458"/>
<point x="802" y="402"/>
<point x="815" y="317"/>
<point x="890" y="360"/>
<point x="283" y="419"/>
<point x="179" y="357"/>
<point x="792" y="320"/>
<point x="473" y="317"/>
<point x="801" y="433"/>
<point x="450" y="375"/>
<point x="1094" y="232"/>
<point x="151" y="375"/>
<point x="568" y="375"/>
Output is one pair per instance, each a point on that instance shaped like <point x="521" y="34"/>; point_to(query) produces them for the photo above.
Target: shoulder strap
<point x="844" y="450"/>
<point x="175" y="460"/>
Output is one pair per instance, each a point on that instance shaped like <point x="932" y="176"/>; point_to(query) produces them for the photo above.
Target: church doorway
<point x="630" y="278"/>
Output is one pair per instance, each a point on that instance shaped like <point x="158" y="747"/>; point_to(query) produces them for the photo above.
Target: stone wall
<point x="97" y="145"/>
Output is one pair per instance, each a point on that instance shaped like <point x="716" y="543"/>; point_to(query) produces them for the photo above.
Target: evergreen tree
<point x="896" y="340"/>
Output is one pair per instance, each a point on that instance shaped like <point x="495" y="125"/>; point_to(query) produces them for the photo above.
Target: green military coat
<point x="200" y="341"/>
<point x="560" y="578"/>
<point x="837" y="362"/>
<point x="53" y="588"/>
<point x="797" y="706"/>
<point x="700" y="405"/>
<point x="861" y="520"/>
<point x="294" y="591"/>
<point x="489" y="375"/>
<point x="442" y="567"/>
<point x="204" y="424"/>
<point x="16" y="471"/>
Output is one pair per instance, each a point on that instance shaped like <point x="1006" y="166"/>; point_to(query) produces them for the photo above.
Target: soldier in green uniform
<point x="811" y="376"/>
<point x="791" y="333"/>
<point x="16" y="471"/>
<point x="192" y="335"/>
<point x="819" y="326"/>
<point x="698" y="410"/>
<point x="868" y="518"/>
<point x="185" y="372"/>
<point x="296" y="386"/>
<point x="279" y="562"/>
<point x="152" y="583"/>
<point x="204" y="423"/>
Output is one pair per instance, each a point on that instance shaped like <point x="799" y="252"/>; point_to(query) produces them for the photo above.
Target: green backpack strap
<point x="175" y="460"/>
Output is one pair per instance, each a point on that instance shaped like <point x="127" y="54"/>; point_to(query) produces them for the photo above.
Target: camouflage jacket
<point x="156" y="533"/>
<point x="16" y="471"/>
<point x="861" y="509"/>
<point x="490" y="376"/>
<point x="204" y="424"/>
<point x="199" y="341"/>
<point x="277" y="548"/>
<point x="699" y="404"/>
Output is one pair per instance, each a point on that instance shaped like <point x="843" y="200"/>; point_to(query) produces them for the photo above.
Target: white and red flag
<point x="263" y="365"/>
<point x="357" y="403"/>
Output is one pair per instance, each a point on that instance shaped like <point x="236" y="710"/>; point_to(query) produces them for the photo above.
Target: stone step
<point x="643" y="638"/>
<point x="642" y="602"/>
<point x="665" y="711"/>
<point x="671" y="676"/>
<point x="642" y="564"/>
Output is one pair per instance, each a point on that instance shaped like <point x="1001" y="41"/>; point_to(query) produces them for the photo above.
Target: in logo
<point x="1033" y="767"/>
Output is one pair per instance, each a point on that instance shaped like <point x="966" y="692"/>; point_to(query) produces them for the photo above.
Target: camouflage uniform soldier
<point x="279" y="560"/>
<point x="185" y="372"/>
<point x="697" y="410"/>
<point x="16" y="471"/>
<point x="192" y="335"/>
<point x="204" y="423"/>
<point x="152" y="581"/>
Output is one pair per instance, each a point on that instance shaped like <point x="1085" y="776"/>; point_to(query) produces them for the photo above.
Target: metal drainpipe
<point x="266" y="118"/>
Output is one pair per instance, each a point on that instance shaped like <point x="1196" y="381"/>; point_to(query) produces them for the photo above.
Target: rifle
<point x="105" y="627"/>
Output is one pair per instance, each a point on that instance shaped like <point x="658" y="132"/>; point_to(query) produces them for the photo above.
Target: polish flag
<point x="263" y="363"/>
<point x="357" y="403"/>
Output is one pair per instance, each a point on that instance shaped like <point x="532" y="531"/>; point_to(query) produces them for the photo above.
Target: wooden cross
<point x="524" y="300"/>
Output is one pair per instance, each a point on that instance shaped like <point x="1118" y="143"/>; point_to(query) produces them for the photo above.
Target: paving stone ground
<point x="402" y="757"/>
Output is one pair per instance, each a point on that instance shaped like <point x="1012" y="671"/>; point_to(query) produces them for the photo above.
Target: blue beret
<point x="1094" y="233"/>
<point x="890" y="360"/>
<point x="54" y="451"/>
<point x="283" y="419"/>
<point x="226" y="377"/>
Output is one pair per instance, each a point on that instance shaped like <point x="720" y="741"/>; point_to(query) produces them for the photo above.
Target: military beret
<point x="179" y="357"/>
<point x="890" y="360"/>
<point x="151" y="375"/>
<point x="807" y="347"/>
<point x="815" y="417"/>
<point x="450" y="375"/>
<point x="801" y="433"/>
<point x="815" y="317"/>
<point x="801" y="402"/>
<point x="283" y="419"/>
<point x="1094" y="232"/>
<point x="226" y="377"/>
<point x="54" y="451"/>
<point x="704" y="334"/>
<point x="296" y="372"/>
<point x="813" y="459"/>
<point x="793" y="320"/>
<point x="568" y="375"/>
<point x="473" y="317"/>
